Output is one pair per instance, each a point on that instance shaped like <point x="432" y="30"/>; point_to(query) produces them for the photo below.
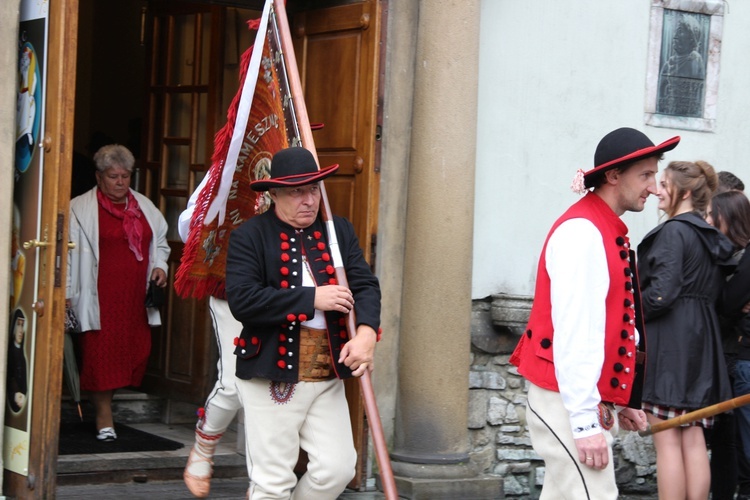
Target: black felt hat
<point x="625" y="145"/>
<point x="293" y="167"/>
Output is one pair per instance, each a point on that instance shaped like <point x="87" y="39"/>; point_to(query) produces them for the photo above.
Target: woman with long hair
<point x="730" y="213"/>
<point x="681" y="269"/>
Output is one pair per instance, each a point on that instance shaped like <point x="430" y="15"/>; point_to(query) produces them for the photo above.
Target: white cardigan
<point x="83" y="260"/>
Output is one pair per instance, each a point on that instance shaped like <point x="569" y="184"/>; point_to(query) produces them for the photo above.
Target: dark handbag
<point x="72" y="325"/>
<point x="155" y="295"/>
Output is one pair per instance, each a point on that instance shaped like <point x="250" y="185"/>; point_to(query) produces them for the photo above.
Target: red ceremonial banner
<point x="226" y="202"/>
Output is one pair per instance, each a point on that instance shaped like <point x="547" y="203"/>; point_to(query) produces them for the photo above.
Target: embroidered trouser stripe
<point x="565" y="476"/>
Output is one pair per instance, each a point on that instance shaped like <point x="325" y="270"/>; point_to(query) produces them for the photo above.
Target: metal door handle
<point x="35" y="244"/>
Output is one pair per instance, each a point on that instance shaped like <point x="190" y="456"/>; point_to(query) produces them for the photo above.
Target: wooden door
<point x="338" y="56"/>
<point x="43" y="296"/>
<point x="183" y="98"/>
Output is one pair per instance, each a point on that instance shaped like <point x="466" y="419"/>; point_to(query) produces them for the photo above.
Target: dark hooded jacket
<point x="736" y="295"/>
<point x="682" y="265"/>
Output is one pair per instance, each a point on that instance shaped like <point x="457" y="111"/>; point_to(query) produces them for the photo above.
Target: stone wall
<point x="497" y="407"/>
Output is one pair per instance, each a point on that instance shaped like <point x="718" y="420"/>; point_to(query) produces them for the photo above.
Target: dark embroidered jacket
<point x="265" y="292"/>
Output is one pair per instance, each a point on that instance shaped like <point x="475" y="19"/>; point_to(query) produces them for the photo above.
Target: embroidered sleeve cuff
<point x="585" y="425"/>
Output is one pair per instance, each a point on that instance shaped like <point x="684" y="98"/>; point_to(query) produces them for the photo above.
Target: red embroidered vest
<point x="534" y="355"/>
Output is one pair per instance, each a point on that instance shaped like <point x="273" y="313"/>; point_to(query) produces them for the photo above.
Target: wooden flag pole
<point x="708" y="411"/>
<point x="371" y="408"/>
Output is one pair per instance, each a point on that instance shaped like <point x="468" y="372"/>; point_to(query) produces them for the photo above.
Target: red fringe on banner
<point x="187" y="283"/>
<point x="202" y="269"/>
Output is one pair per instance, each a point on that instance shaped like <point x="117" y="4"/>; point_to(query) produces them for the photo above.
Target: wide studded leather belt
<point x="314" y="356"/>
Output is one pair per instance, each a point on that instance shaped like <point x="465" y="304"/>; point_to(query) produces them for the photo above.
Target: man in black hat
<point x="580" y="348"/>
<point x="294" y="348"/>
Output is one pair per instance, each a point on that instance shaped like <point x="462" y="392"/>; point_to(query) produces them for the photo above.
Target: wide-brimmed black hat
<point x="625" y="145"/>
<point x="293" y="167"/>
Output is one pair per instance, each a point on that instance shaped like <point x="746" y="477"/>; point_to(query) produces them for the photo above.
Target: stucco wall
<point x="554" y="77"/>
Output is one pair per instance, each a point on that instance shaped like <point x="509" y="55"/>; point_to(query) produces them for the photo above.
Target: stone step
<point x="150" y="466"/>
<point x="128" y="407"/>
<point x="133" y="407"/>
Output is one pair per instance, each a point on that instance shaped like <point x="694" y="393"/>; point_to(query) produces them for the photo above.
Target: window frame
<point x="707" y="122"/>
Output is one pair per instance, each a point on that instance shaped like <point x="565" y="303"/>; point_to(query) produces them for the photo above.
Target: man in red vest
<point x="581" y="345"/>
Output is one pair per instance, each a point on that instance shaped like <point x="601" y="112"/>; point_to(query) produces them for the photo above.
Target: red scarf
<point x="129" y="215"/>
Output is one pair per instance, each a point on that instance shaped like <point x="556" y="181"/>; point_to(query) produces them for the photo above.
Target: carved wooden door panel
<point x="337" y="51"/>
<point x="338" y="54"/>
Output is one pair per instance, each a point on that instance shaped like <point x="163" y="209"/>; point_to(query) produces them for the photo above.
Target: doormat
<point x="79" y="438"/>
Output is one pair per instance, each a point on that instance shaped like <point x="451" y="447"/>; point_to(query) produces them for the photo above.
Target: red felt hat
<point x="625" y="145"/>
<point x="293" y="167"/>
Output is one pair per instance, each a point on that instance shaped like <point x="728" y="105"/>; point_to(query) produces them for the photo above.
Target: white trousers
<point x="222" y="403"/>
<point x="565" y="476"/>
<point x="316" y="419"/>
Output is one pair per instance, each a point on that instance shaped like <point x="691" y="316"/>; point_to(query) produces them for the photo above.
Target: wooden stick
<point x="371" y="408"/>
<point x="708" y="411"/>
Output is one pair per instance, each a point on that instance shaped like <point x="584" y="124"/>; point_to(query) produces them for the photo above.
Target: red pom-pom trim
<point x="243" y="343"/>
<point x="284" y="284"/>
<point x="291" y="317"/>
<point x="333" y="281"/>
<point x="201" y="412"/>
<point x="317" y="235"/>
<point x="321" y="246"/>
<point x="285" y="245"/>
<point x="282" y="350"/>
<point x="330" y="269"/>
<point x="302" y="317"/>
<point x="285" y="257"/>
<point x="236" y="340"/>
<point x="281" y="364"/>
<point x="282" y="337"/>
<point x="326" y="257"/>
<point x="284" y="271"/>
<point x="284" y="236"/>
<point x="254" y="341"/>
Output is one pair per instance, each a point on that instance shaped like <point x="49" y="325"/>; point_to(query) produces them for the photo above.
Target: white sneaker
<point x="106" y="434"/>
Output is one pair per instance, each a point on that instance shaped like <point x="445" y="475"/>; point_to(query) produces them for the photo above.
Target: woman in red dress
<point x="121" y="245"/>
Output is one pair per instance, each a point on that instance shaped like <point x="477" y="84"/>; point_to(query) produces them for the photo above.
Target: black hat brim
<point x="294" y="180"/>
<point x="639" y="154"/>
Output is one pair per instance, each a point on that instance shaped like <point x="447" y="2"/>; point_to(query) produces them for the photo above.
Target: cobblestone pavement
<point x="173" y="490"/>
<point x="220" y="489"/>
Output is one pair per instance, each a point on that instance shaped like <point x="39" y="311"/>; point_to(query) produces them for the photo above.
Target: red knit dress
<point x="116" y="356"/>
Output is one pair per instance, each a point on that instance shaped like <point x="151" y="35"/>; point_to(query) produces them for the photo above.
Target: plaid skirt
<point x="666" y="413"/>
